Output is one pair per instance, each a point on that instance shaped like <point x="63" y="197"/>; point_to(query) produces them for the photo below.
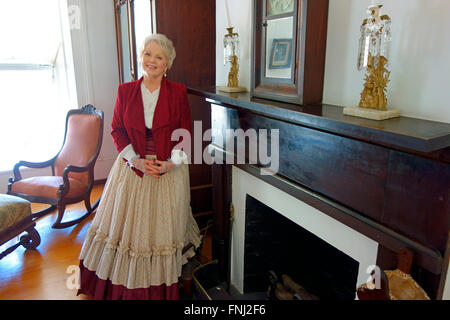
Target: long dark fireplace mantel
<point x="389" y="180"/>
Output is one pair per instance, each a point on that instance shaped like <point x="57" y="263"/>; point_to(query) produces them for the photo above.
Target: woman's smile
<point x="154" y="61"/>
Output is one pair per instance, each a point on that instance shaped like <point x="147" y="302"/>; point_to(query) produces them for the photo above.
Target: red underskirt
<point x="99" y="289"/>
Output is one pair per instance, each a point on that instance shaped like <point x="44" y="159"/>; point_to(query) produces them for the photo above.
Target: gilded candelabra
<point x="231" y="57"/>
<point x="373" y="56"/>
<point x="231" y="44"/>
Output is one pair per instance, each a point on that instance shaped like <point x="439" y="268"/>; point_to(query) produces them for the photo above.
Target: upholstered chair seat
<point x="48" y="187"/>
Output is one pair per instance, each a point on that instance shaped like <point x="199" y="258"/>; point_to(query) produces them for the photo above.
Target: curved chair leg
<point x="31" y="240"/>
<point x="61" y="225"/>
<point x="87" y="204"/>
<point x="61" y="210"/>
<point x="37" y="215"/>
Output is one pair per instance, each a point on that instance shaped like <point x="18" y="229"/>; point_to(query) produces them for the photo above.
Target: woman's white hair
<point x="166" y="46"/>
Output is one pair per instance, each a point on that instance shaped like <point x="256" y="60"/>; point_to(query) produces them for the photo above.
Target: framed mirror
<point x="289" y="41"/>
<point x="278" y="35"/>
<point x="134" y="22"/>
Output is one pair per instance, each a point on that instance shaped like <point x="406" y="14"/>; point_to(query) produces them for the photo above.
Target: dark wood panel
<point x="315" y="50"/>
<point x="221" y="242"/>
<point x="200" y="173"/>
<point x="201" y="200"/>
<point x="418" y="199"/>
<point x="350" y="172"/>
<point x="191" y="25"/>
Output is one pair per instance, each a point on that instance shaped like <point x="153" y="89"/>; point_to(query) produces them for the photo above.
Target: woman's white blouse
<point x="149" y="100"/>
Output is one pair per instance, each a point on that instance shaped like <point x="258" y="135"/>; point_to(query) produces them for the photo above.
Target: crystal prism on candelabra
<point x="373" y="57"/>
<point x="231" y="59"/>
<point x="375" y="38"/>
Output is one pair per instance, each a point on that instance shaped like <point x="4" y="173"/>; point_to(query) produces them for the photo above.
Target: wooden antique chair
<point x="72" y="168"/>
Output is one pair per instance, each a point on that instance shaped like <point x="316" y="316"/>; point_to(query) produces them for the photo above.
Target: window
<point x="36" y="79"/>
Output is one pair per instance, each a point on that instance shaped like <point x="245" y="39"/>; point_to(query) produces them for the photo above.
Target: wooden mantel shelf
<point x="403" y="133"/>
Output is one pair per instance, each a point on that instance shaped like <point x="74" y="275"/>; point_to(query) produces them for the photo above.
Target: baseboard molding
<point x="100" y="181"/>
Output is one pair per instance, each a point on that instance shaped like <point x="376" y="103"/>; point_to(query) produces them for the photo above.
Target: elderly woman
<point x="134" y="246"/>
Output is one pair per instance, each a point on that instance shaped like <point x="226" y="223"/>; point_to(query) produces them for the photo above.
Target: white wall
<point x="419" y="68"/>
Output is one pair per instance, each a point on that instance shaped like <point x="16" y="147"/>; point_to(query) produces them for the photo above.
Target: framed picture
<point x="280" y="57"/>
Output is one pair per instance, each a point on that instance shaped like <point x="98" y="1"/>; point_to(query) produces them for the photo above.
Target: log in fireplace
<point x="388" y="180"/>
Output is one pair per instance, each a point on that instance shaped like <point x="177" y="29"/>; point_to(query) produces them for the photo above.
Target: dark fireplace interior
<point x="275" y="243"/>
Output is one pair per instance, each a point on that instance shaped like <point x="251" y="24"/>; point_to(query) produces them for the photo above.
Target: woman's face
<point x="154" y="61"/>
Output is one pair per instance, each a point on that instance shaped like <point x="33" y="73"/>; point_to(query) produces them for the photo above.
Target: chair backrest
<point x="82" y="142"/>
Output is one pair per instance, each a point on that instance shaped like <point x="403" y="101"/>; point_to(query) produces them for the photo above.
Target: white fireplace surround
<point x="343" y="238"/>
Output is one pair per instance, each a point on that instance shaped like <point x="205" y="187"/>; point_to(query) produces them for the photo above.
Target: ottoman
<point x="15" y="218"/>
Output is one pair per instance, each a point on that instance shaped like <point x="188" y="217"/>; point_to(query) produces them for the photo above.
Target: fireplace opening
<point x="279" y="250"/>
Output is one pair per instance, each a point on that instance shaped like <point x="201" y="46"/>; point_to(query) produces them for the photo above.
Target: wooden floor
<point x="46" y="273"/>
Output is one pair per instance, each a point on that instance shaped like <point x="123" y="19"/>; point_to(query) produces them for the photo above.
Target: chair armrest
<point x="72" y="168"/>
<point x="34" y="165"/>
<point x="65" y="187"/>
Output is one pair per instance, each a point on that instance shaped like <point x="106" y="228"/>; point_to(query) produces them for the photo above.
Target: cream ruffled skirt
<point x="140" y="228"/>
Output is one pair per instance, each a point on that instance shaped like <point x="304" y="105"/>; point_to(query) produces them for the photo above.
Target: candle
<point x="228" y="14"/>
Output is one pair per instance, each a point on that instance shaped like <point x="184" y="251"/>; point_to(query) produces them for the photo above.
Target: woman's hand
<point x="165" y="166"/>
<point x="153" y="167"/>
<point x="146" y="166"/>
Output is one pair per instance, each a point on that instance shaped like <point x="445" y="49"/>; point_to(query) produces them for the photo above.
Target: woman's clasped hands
<point x="153" y="167"/>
